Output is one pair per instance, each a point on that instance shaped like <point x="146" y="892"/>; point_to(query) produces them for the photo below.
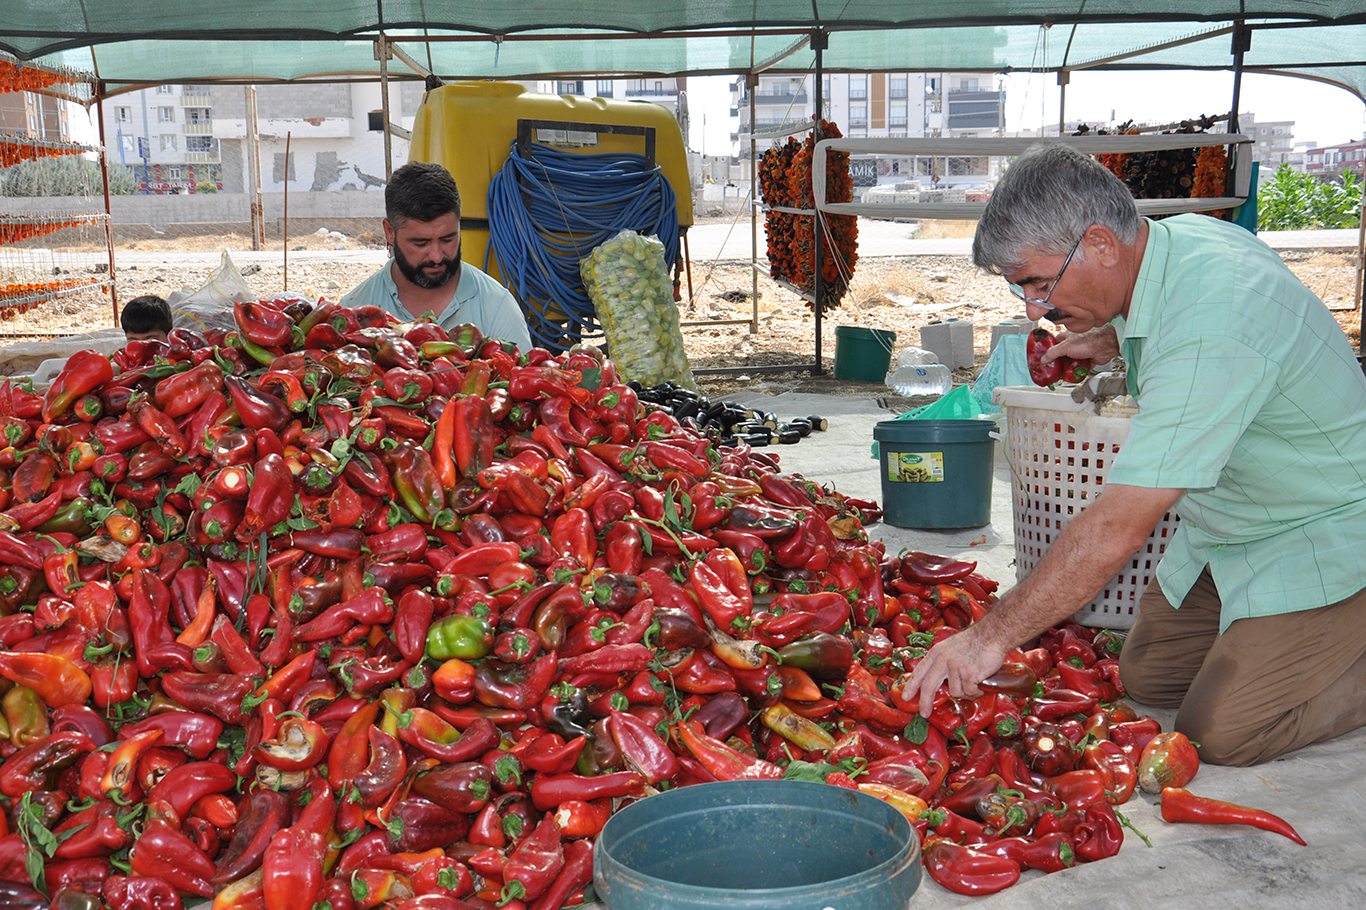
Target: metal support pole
<point x="255" y="196"/>
<point x="819" y="42"/>
<point x="1361" y="253"/>
<point x="284" y="231"/>
<point x="1064" y="77"/>
<point x="752" y="86"/>
<point x="382" y="54"/>
<point x="1242" y="40"/>
<point x="108" y="211"/>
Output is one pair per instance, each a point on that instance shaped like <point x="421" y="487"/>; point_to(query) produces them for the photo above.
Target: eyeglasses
<point x="1018" y="291"/>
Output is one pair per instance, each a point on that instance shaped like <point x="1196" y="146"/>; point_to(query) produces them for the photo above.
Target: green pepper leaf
<point x="590" y="378"/>
<point x="917" y="730"/>
<point x="512" y="825"/>
<point x="189" y="484"/>
<point x="810" y="771"/>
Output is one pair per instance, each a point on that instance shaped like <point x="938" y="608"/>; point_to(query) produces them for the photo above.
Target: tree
<point x="69" y="175"/>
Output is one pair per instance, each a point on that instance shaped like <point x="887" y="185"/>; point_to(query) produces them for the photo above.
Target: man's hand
<point x="962" y="660"/>
<point x="1099" y="345"/>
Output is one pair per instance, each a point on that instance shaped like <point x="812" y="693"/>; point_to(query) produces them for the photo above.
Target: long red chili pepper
<point x="1181" y="805"/>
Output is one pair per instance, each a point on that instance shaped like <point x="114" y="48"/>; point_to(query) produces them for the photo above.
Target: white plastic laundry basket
<point x="1060" y="452"/>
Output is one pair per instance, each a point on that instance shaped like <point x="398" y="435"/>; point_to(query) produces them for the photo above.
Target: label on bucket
<point x="915" y="467"/>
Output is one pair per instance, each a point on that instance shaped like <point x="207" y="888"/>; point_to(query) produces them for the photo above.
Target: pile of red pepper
<point x="331" y="609"/>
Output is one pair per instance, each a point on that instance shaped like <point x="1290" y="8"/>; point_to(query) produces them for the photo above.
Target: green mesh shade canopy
<point x="129" y="43"/>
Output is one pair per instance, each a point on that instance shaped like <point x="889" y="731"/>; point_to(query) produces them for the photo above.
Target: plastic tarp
<point x="138" y="42"/>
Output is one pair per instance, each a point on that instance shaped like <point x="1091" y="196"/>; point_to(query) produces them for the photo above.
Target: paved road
<point x="708" y="242"/>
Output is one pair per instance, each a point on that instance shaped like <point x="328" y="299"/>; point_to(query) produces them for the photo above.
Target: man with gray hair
<point x="1251" y="424"/>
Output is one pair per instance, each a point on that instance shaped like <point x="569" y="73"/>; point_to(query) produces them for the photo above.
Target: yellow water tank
<point x="469" y="127"/>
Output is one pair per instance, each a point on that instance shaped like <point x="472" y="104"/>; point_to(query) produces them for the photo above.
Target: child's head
<point x="146" y="317"/>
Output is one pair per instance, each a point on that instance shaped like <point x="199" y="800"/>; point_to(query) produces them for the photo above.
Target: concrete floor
<point x="1320" y="790"/>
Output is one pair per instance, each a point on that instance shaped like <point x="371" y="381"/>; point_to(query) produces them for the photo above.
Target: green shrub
<point x="1293" y="201"/>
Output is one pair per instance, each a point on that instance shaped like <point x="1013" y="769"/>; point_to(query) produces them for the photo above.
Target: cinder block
<point x="950" y="341"/>
<point x="1019" y="325"/>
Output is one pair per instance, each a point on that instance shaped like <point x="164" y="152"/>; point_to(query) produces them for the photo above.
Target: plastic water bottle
<point x="929" y="379"/>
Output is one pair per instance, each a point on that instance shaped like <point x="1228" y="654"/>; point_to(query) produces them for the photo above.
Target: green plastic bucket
<point x="936" y="473"/>
<point x="863" y="354"/>
<point x="757" y="845"/>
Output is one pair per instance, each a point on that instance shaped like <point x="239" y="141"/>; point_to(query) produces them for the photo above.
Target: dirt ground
<point x="899" y="295"/>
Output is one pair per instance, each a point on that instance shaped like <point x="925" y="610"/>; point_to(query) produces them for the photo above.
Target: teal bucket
<point x="936" y="473"/>
<point x="863" y="354"/>
<point x="757" y="845"/>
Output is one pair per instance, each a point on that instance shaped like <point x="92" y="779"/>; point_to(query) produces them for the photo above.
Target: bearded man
<point x="425" y="276"/>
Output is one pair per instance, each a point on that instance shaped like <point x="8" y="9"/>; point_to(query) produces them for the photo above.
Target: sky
<point x="1323" y="114"/>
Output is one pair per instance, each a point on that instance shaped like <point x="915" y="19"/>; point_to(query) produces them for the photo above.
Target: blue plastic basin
<point x="779" y="845"/>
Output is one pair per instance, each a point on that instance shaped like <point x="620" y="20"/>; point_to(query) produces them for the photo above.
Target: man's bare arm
<point x="1090" y="551"/>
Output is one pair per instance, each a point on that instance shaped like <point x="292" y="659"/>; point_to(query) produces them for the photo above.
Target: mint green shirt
<point x="478" y="299"/>
<point x="1252" y="401"/>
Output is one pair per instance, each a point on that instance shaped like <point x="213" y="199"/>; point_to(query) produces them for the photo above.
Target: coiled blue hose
<point x="547" y="212"/>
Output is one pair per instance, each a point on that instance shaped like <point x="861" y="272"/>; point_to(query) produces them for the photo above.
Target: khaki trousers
<point x="1266" y="686"/>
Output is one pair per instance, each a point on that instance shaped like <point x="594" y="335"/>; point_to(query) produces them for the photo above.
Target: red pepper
<point x="1049" y="853"/>
<point x="293" y="868"/>
<point x="164" y="851"/>
<point x="1180" y="805"/>
<point x="927" y="569"/>
<point x="140" y="893"/>
<point x="642" y="749"/>
<point x="536" y="862"/>
<point x="263" y="324"/>
<point x="963" y="870"/>
<point x="1168" y="760"/>
<point x="550" y="790"/>
<point x="57" y="680"/>
<point x="1099" y="835"/>
<point x="1115" y="767"/>
<point x="95" y="831"/>
<point x="84" y="371"/>
<point x="197" y="734"/>
<point x="179" y="394"/>
<point x="266" y="813"/>
<point x="1061" y="703"/>
<point x="1038" y="343"/>
<point x="1077" y="789"/>
<point x="722" y="587"/>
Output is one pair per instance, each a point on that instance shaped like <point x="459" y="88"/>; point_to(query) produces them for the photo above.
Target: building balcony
<point x="858" y="94"/>
<point x="651" y="92"/>
<point x="897" y="93"/>
<point x="196" y="101"/>
<point x="202" y="157"/>
<point x="897" y="123"/>
<point x="783" y="98"/>
<point x="859" y="124"/>
<point x="197" y="129"/>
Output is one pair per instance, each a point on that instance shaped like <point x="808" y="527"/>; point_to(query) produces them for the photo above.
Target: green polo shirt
<point x="1252" y="401"/>
<point x="478" y="299"/>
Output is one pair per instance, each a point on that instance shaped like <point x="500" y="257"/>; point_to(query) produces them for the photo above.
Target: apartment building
<point x="663" y="91"/>
<point x="1274" y="141"/>
<point x="35" y="116"/>
<point x="883" y="105"/>
<point x="1331" y="161"/>
<point x="313" y="137"/>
